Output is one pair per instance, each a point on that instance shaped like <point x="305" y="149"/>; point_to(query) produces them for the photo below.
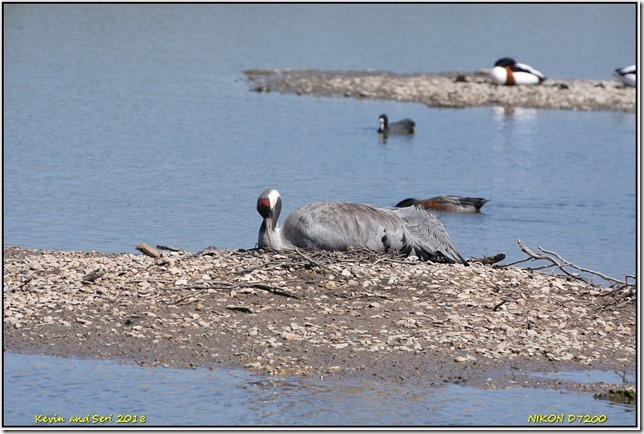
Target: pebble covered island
<point x="317" y="313"/>
<point x="448" y="90"/>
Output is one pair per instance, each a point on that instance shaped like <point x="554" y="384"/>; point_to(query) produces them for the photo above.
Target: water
<point x="588" y="377"/>
<point x="132" y="123"/>
<point x="181" y="397"/>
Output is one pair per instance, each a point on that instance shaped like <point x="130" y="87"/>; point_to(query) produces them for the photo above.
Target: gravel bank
<point x="447" y="90"/>
<point x="315" y="313"/>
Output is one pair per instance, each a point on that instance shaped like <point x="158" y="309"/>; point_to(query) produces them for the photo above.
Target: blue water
<point x="199" y="397"/>
<point x="130" y="123"/>
<point x="133" y="123"/>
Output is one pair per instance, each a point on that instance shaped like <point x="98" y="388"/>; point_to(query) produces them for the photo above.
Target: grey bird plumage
<point x="338" y="226"/>
<point x="405" y="126"/>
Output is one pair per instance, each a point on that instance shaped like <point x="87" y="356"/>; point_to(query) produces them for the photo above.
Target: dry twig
<point x="560" y="263"/>
<point x="169" y="248"/>
<point x="314" y="262"/>
<point x="149" y="251"/>
<point x="273" y="289"/>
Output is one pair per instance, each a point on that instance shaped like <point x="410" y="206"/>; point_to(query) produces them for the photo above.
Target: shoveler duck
<point x="627" y="75"/>
<point x="509" y="72"/>
<point x="405" y="126"/>
<point x="447" y="203"/>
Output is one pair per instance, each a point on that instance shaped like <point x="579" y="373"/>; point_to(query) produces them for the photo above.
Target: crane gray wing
<point x="338" y="226"/>
<point x="426" y="237"/>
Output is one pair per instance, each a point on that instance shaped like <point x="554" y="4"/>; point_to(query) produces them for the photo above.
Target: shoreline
<point x="314" y="313"/>
<point x="448" y="90"/>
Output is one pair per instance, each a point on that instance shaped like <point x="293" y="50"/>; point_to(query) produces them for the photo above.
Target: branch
<point x="314" y="262"/>
<point x="273" y="289"/>
<point x="149" y="251"/>
<point x="537" y="256"/>
<point x="169" y="248"/>
<point x="561" y="263"/>
<point x="583" y="270"/>
<point x="89" y="278"/>
<point x="489" y="260"/>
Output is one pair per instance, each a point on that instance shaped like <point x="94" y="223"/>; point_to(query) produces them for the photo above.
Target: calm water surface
<point x="132" y="123"/>
<point x="69" y="387"/>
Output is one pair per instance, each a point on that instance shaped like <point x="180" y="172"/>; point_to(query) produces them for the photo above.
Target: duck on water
<point x="339" y="226"/>
<point x="405" y="126"/>
<point x="447" y="203"/>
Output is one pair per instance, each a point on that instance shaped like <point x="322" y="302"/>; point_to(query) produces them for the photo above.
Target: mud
<point x="354" y="314"/>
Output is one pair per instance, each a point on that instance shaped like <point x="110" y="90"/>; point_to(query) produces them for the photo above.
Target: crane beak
<point x="270" y="238"/>
<point x="268" y="228"/>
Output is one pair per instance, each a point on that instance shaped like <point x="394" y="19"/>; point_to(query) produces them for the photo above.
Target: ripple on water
<point x="42" y="385"/>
